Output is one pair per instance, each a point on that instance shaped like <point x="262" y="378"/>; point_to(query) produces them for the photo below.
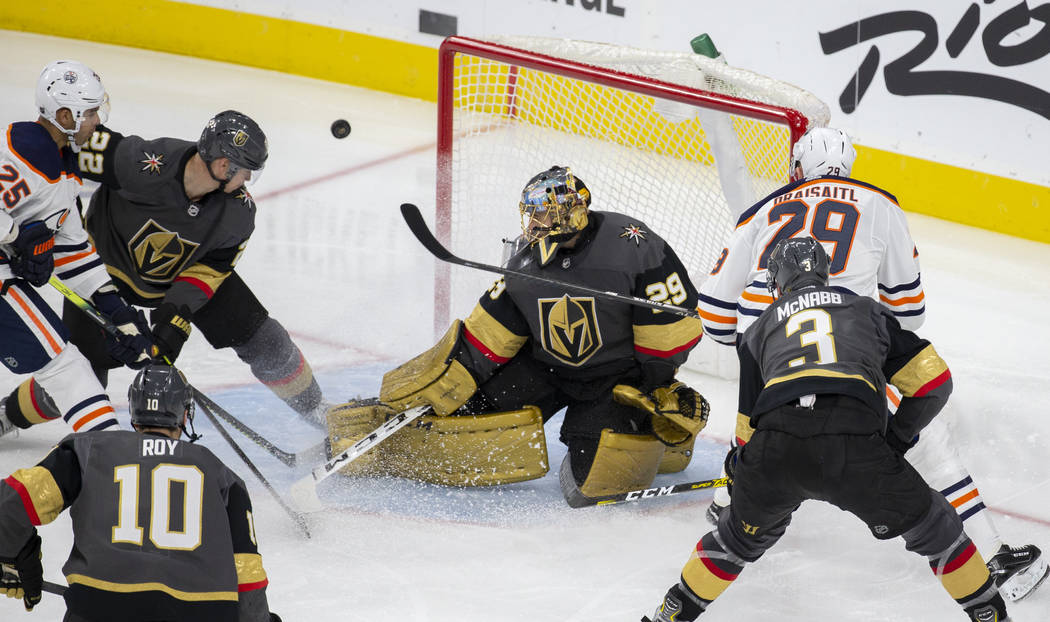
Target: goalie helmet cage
<point x="682" y="142"/>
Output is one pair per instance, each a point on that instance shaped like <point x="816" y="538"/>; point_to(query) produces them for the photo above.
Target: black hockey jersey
<point x="823" y="341"/>
<point x="162" y="529"/>
<point x="155" y="241"/>
<point x="580" y="336"/>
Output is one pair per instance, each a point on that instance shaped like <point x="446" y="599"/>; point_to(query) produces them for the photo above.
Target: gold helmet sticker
<point x="569" y="328"/>
<point x="240" y="139"/>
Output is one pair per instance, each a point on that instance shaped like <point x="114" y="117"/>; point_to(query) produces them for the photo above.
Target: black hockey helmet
<point x="796" y="263"/>
<point x="159" y="397"/>
<point x="231" y="134"/>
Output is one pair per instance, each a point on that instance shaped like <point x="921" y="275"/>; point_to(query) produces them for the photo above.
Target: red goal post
<point x="680" y="141"/>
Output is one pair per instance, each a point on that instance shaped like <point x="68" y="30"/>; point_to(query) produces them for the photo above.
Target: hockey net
<point x="681" y="141"/>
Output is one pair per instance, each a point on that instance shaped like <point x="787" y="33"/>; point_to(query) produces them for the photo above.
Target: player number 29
<point x="161" y="532"/>
<point x="672" y="289"/>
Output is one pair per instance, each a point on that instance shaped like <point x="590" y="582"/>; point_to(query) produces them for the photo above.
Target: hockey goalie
<point x="531" y="348"/>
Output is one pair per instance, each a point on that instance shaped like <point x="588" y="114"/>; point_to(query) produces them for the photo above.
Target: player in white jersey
<point x="871" y="254"/>
<point x="41" y="234"/>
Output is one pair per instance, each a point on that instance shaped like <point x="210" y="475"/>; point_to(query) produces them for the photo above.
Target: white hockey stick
<point x="304" y="491"/>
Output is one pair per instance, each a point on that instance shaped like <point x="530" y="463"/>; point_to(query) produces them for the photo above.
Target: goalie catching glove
<point x="678" y="412"/>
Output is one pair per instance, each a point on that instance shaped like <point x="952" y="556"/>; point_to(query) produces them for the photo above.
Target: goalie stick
<point x="655" y="491"/>
<point x="304" y="491"/>
<point x="419" y="228"/>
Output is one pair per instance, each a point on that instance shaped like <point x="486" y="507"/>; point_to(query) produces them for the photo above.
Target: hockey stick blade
<point x="309" y="455"/>
<point x="658" y="491"/>
<point x="419" y="228"/>
<point x="297" y="517"/>
<point x="304" y="492"/>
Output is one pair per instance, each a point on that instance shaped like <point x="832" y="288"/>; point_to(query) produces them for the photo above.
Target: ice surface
<point x="333" y="262"/>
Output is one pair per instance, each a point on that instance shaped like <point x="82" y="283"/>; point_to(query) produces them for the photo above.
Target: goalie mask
<point x="822" y="151"/>
<point x="553" y="209"/>
<point x="795" y="263"/>
<point x="72" y="85"/>
<point x="160" y="397"/>
<point x="236" y="137"/>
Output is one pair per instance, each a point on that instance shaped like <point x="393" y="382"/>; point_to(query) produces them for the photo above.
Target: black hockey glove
<point x="730" y="465"/>
<point x="171" y="329"/>
<point x="133" y="346"/>
<point x="28" y="583"/>
<point x="34" y="247"/>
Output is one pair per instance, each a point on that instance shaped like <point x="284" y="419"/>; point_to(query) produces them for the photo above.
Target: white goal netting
<point x="686" y="163"/>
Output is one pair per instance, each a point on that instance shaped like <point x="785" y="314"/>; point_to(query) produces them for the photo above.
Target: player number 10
<point x="160" y="491"/>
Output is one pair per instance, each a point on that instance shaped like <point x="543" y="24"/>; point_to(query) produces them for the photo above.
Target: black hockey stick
<point x="109" y="327"/>
<point x="656" y="491"/>
<point x="55" y="588"/>
<point x="419" y="228"/>
<point x="296" y="517"/>
<point x="306" y="456"/>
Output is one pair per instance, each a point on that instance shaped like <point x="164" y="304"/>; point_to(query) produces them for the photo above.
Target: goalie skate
<point x="1018" y="570"/>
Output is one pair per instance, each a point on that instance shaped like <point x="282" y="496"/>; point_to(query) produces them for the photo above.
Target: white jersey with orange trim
<point x="862" y="228"/>
<point x="39" y="181"/>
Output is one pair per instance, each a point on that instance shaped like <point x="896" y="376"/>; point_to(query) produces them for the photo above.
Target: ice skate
<point x="1018" y="570"/>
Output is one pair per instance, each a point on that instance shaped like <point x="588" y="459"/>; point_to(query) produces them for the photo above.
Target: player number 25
<point x="162" y="479"/>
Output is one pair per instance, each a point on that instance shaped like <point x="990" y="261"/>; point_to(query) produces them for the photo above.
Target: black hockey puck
<point x="340" y="128"/>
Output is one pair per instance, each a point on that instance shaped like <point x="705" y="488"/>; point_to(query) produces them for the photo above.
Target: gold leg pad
<point x="482" y="450"/>
<point x="623" y="462"/>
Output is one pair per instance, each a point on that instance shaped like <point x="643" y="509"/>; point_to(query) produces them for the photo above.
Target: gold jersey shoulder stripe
<point x="922" y="368"/>
<point x="495" y="336"/>
<point x="667" y="337"/>
<point x="249" y="568"/>
<point x="42" y="488"/>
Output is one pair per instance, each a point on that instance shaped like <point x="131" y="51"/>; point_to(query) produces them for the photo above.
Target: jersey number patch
<point x="178" y="530"/>
<point x="834" y="222"/>
<point x="17" y="191"/>
<point x="820" y="335"/>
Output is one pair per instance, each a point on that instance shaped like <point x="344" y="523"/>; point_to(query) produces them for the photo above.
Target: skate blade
<point x="1024" y="583"/>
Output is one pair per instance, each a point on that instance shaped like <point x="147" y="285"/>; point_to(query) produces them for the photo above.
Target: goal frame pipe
<point x="516" y="57"/>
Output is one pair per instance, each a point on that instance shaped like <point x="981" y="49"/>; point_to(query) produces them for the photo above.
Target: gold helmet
<point x="553" y="206"/>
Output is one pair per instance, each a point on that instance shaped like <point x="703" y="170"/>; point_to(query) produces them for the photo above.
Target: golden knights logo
<point x="569" y="328"/>
<point x="159" y="254"/>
